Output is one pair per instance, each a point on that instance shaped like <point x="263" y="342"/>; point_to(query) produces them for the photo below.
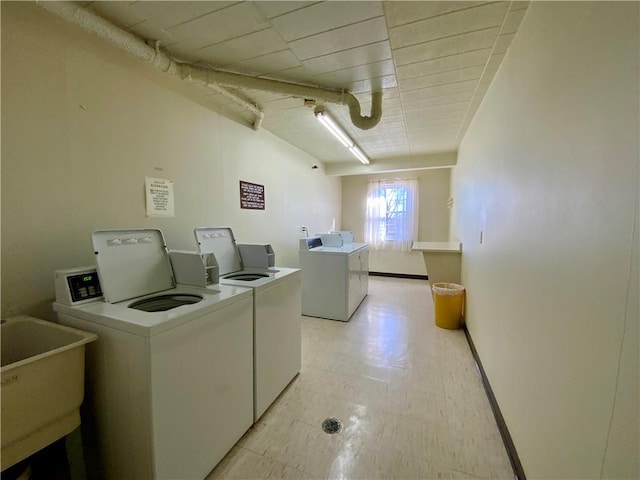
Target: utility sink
<point x="42" y="384"/>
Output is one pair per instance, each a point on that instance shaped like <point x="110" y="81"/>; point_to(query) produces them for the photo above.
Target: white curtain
<point x="392" y="214"/>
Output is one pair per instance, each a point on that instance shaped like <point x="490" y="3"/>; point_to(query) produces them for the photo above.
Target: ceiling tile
<point x="434" y="132"/>
<point x="362" y="72"/>
<point x="440" y="123"/>
<point x="420" y="118"/>
<point x="265" y="64"/>
<point x="435" y="146"/>
<point x="386" y="138"/>
<point x="373" y="84"/>
<point x="273" y="9"/>
<point x="297" y="74"/>
<point x="391" y="119"/>
<point x="170" y="14"/>
<point x="445" y="56"/>
<point x="433" y="143"/>
<point x="415" y="104"/>
<point x="241" y="48"/>
<point x="466" y="42"/>
<point x="468" y="86"/>
<point x="455" y="23"/>
<point x="402" y="12"/>
<point x="426" y="81"/>
<point x="450" y="108"/>
<point x="349" y="58"/>
<point x="432" y="136"/>
<point x="324" y="16"/>
<point x="384" y="132"/>
<point x="450" y="127"/>
<point x="444" y="64"/>
<point x="231" y="22"/>
<point x="344" y="38"/>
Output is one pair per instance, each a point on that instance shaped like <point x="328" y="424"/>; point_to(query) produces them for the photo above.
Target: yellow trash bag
<point x="448" y="302"/>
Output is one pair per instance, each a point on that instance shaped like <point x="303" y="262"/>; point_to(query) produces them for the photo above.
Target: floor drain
<point x="331" y="425"/>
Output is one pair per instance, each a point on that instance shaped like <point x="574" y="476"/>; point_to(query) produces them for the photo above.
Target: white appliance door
<point x="131" y="263"/>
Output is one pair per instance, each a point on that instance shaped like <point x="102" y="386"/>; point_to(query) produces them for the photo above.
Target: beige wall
<point x="83" y="124"/>
<point x="549" y="172"/>
<point x="433" y="221"/>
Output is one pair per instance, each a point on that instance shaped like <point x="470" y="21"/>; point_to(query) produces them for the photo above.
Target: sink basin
<point x="42" y="384"/>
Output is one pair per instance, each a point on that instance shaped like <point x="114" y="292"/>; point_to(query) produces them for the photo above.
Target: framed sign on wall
<point x="251" y="196"/>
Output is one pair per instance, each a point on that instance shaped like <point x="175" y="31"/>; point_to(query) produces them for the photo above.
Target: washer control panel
<point x="77" y="285"/>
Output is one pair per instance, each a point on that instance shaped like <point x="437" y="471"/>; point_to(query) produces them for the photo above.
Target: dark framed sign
<point x="251" y="196"/>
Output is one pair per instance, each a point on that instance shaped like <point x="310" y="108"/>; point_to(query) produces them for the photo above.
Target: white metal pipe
<point x="95" y="24"/>
<point x="215" y="79"/>
<point x="237" y="80"/>
<point x="235" y="98"/>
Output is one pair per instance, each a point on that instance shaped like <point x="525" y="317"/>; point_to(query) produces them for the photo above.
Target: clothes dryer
<point x="170" y="382"/>
<point x="335" y="279"/>
<point x="276" y="313"/>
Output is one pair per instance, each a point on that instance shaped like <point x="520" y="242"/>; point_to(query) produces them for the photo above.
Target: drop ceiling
<point x="433" y="61"/>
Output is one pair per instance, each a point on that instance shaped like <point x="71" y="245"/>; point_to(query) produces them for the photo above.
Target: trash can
<point x="448" y="302"/>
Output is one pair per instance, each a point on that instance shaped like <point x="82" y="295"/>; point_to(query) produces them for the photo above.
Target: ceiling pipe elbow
<point x="360" y="121"/>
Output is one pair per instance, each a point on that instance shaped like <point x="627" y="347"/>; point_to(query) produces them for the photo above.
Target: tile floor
<point x="408" y="394"/>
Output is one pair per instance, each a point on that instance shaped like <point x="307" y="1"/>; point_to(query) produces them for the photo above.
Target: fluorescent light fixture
<point x="337" y="132"/>
<point x="333" y="127"/>
<point x="358" y="153"/>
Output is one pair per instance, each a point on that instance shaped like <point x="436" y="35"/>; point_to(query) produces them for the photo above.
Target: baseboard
<point x="399" y="275"/>
<point x="502" y="426"/>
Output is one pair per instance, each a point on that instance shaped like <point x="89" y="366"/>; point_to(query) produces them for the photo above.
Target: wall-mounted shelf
<point x="442" y="259"/>
<point x="445" y="247"/>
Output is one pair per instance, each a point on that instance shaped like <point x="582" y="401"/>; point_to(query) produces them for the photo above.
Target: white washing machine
<point x="276" y="313"/>
<point x="170" y="379"/>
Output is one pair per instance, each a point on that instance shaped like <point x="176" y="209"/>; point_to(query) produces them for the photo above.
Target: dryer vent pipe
<point x="214" y="79"/>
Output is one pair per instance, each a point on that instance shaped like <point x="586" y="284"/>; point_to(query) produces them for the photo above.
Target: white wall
<point x="433" y="221"/>
<point x="82" y="125"/>
<point x="549" y="172"/>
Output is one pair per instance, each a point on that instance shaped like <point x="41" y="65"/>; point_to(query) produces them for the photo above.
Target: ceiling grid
<point x="433" y="61"/>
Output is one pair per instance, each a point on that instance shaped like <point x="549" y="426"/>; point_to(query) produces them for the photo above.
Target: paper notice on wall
<point x="159" y="194"/>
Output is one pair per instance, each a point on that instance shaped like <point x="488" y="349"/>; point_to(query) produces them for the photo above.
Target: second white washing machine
<point x="277" y="334"/>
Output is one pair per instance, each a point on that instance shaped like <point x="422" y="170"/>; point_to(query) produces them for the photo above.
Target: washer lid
<point x="221" y="242"/>
<point x="131" y="263"/>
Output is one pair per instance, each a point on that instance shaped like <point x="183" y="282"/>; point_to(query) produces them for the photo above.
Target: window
<point x="392" y="214"/>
